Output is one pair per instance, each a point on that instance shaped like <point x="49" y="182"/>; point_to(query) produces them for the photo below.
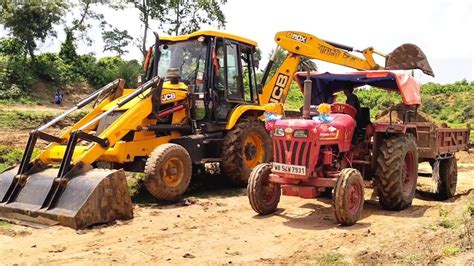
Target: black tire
<point x="170" y="185"/>
<point x="236" y="154"/>
<point x="448" y="177"/>
<point x="397" y="172"/>
<point x="348" y="197"/>
<point x="263" y="195"/>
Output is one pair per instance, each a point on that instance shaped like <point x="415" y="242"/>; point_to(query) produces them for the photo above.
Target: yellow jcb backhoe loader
<point x="200" y="103"/>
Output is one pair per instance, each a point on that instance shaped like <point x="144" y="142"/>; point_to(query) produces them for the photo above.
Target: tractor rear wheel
<point x="245" y="146"/>
<point x="264" y="196"/>
<point x="348" y="198"/>
<point x="168" y="172"/>
<point x="448" y="177"/>
<point x="397" y="172"/>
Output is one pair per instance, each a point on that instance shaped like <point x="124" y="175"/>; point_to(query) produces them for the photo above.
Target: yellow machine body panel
<point x="208" y="33"/>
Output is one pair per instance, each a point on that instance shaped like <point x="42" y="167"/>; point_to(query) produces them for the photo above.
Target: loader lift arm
<point x="299" y="44"/>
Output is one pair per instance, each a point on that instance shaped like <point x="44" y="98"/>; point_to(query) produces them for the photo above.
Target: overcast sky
<point x="443" y="29"/>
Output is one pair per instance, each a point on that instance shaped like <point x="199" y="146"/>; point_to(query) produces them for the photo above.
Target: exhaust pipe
<point x="307" y="86"/>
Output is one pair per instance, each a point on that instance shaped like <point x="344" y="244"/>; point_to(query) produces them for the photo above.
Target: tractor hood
<point x="340" y="128"/>
<point x="326" y="84"/>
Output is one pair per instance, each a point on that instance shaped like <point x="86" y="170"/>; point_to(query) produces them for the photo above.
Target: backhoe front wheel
<point x="397" y="172"/>
<point x="245" y="146"/>
<point x="168" y="172"/>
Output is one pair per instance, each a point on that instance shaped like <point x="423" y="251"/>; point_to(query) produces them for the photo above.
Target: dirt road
<point x="220" y="227"/>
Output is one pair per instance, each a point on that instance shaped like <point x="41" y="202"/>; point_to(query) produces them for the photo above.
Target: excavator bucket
<point x="408" y="56"/>
<point x="95" y="197"/>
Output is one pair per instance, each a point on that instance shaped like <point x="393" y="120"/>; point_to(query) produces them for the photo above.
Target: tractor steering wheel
<point x="344" y="108"/>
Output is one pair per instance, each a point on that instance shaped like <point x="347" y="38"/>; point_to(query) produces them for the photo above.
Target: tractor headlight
<point x="279" y="132"/>
<point x="300" y="133"/>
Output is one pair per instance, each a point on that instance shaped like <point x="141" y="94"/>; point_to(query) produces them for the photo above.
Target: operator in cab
<point x="352" y="99"/>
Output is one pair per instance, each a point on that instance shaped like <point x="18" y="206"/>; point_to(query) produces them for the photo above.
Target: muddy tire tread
<point x="389" y="164"/>
<point x="253" y="189"/>
<point x="342" y="215"/>
<point x="233" y="165"/>
<point x="156" y="158"/>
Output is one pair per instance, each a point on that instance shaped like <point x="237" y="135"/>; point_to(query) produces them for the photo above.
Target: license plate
<point x="289" y="168"/>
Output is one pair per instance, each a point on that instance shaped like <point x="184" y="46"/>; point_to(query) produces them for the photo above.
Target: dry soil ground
<point x="219" y="227"/>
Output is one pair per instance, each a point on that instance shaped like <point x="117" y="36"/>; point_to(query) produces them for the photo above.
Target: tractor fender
<point x="242" y="111"/>
<point x="392" y="129"/>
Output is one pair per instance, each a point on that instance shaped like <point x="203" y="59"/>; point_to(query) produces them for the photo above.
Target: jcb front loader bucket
<point x="94" y="197"/>
<point x="408" y="56"/>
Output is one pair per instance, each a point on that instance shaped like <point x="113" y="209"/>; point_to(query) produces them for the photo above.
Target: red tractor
<point x="340" y="150"/>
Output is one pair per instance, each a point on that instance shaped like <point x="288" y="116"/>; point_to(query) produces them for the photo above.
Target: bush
<point x="12" y="47"/>
<point x="51" y="67"/>
<point x="129" y="70"/>
<point x="16" y="78"/>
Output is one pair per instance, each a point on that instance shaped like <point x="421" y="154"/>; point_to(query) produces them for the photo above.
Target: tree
<point x="31" y="21"/>
<point x="148" y="9"/>
<point x="116" y="40"/>
<point x="178" y="16"/>
<point x="186" y="16"/>
<point x="79" y="25"/>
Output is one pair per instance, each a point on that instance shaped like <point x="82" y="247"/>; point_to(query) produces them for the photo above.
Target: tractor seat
<point x="362" y="121"/>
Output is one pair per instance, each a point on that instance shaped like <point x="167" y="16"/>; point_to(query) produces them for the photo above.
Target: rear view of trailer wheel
<point x="168" y="172"/>
<point x="397" y="172"/>
<point x="448" y="177"/>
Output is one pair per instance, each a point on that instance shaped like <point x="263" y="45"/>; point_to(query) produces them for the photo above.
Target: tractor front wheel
<point x="168" y="172"/>
<point x="245" y="146"/>
<point x="264" y="196"/>
<point x="348" y="198"/>
<point x="397" y="172"/>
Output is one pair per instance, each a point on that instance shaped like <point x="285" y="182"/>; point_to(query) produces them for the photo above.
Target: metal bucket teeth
<point x="95" y="197"/>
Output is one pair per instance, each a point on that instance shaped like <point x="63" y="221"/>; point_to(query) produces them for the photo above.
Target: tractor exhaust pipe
<point x="307" y="86"/>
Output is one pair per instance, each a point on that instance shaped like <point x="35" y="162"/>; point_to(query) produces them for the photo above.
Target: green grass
<point x="451" y="250"/>
<point x="10" y="156"/>
<point x="4" y="224"/>
<point x="469" y="208"/>
<point x="30" y="120"/>
<point x="412" y="259"/>
<point x="330" y="258"/>
<point x="445" y="221"/>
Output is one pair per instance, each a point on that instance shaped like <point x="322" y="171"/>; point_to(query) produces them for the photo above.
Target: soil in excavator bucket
<point x="95" y="197"/>
<point x="408" y="56"/>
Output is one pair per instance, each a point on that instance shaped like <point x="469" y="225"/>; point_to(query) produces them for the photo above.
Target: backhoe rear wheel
<point x="397" y="172"/>
<point x="168" y="172"/>
<point x="245" y="146"/>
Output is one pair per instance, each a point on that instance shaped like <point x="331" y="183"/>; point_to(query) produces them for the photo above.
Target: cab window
<point x="233" y="72"/>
